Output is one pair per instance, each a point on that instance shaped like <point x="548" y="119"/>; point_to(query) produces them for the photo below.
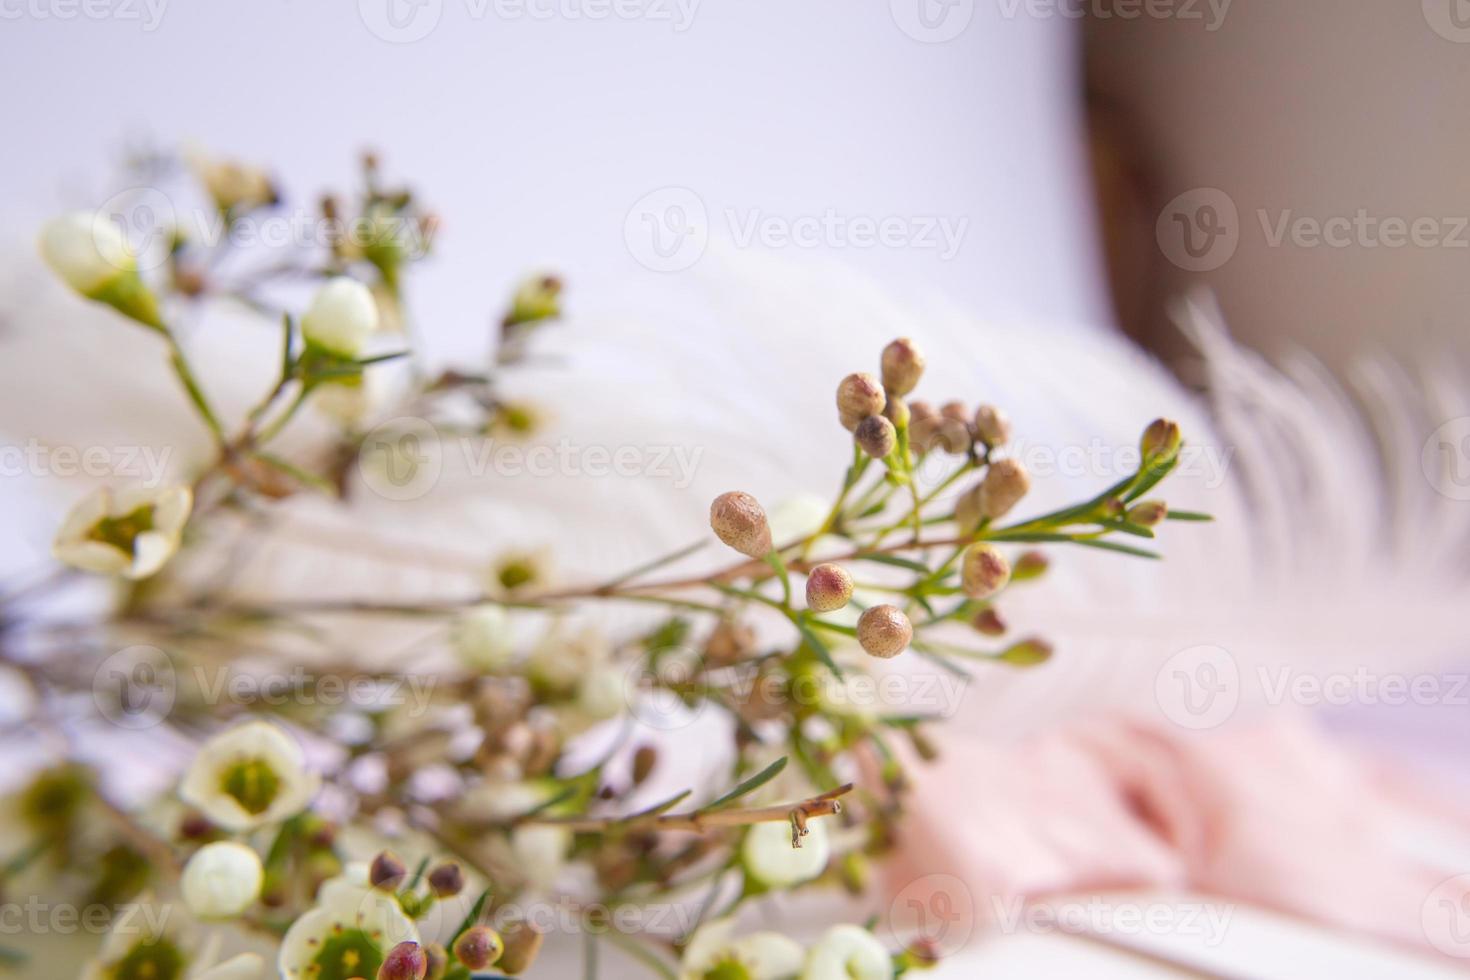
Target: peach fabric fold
<point x="1276" y="815"/>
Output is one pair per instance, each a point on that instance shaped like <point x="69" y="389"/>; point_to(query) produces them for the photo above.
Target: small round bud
<point x="992" y="426"/>
<point x="828" y="588"/>
<point x="922" y="954"/>
<point x="967" y="513"/>
<point x="729" y="642"/>
<point x="222" y="880"/>
<point x="387" y="871"/>
<point x="858" y="396"/>
<point x="738" y="519"/>
<point x="438" y="958"/>
<point x="984" y="571"/>
<point x="522" y="945"/>
<point x="989" y="622"/>
<point x="1005" y="483"/>
<point x="884" y="631"/>
<point x="955" y="410"/>
<point x="898" y="412"/>
<point x="1030" y="565"/>
<point x="447" y="880"/>
<point x="1148" y="513"/>
<point x="920" y="409"/>
<point x="341" y="317"/>
<point x="478" y="947"/>
<point x="644" y="761"/>
<point x="1160" y="441"/>
<point x="903" y="366"/>
<point x="876" y="435"/>
<point x="406" y="961"/>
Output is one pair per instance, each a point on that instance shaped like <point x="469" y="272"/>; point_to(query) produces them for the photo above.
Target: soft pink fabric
<point x="1275" y="815"/>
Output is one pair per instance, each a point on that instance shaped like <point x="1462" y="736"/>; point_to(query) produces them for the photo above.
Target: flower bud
<point x="1005" y="483"/>
<point x="387" y="871"/>
<point x="884" y="631"/>
<point x="1030" y="565"/>
<point x="522" y="945"/>
<point x="897" y="411"/>
<point x="406" y="961"/>
<point x="1160" y="441"/>
<point x="955" y="410"/>
<point x="1148" y="513"/>
<point x="903" y="365"/>
<point x="859" y="396"/>
<point x="447" y="880"/>
<point x="728" y="642"/>
<point x="221" y="880"/>
<point x="921" y="954"/>
<point x="478" y="947"/>
<point x="876" y="435"/>
<point x="992" y="426"/>
<point x="93" y="257"/>
<point x="738" y="519"/>
<point x="438" y="958"/>
<point x="1027" y="653"/>
<point x="989" y="622"/>
<point x="967" y="513"/>
<point x="828" y="588"/>
<point x="984" y="571"/>
<point x="341" y="318"/>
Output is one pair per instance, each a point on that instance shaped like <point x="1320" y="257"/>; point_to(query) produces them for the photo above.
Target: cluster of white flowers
<point x="844" y="952"/>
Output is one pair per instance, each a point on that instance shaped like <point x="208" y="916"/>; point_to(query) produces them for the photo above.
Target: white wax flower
<point x="848" y="952"/>
<point x="770" y="858"/>
<point x="715" y="952"/>
<point x="152" y="940"/>
<point x="483" y="639"/>
<point x="125" y="532"/>
<point x="349" y="400"/>
<point x="86" y="250"/>
<point x="341" y="317"/>
<point x="603" y="692"/>
<point x="348" y="933"/>
<point x="541" y="852"/>
<point x="251" y="775"/>
<point x="233" y="186"/>
<point x="246" y="966"/>
<point x="221" y="880"/>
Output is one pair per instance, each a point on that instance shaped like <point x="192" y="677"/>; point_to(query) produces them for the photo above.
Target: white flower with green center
<point x="89" y="252"/>
<point x="156" y="942"/>
<point x="251" y="775"/>
<point x="221" y="880"/>
<point x="714" y="953"/>
<point x="848" y="952"/>
<point x="347" y="934"/>
<point x="131" y="533"/>
<point x="483" y="638"/>
<point x="771" y="860"/>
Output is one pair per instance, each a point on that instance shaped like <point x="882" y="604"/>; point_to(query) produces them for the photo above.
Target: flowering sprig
<point x="915" y="556"/>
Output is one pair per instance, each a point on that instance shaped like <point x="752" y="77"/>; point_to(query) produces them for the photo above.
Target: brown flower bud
<point x="989" y="622"/>
<point x="984" y="571"/>
<point x="406" y="961"/>
<point x="729" y="642"/>
<point x="955" y="410"/>
<point x="643" y="762"/>
<point x="438" y="961"/>
<point x="522" y="945"/>
<point x="1160" y="441"/>
<point x="739" y="520"/>
<point x="828" y="587"/>
<point x="1148" y="513"/>
<point x="992" y="426"/>
<point x="967" y="514"/>
<point x="478" y="947"/>
<point x="903" y="365"/>
<point x="447" y="880"/>
<point x="920" y="409"/>
<point x="876" y="435"/>
<point x="1005" y="483"/>
<point x="1029" y="565"/>
<point x="387" y="871"/>
<point x="897" y="411"/>
<point x="858" y="396"/>
<point x="884" y="631"/>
